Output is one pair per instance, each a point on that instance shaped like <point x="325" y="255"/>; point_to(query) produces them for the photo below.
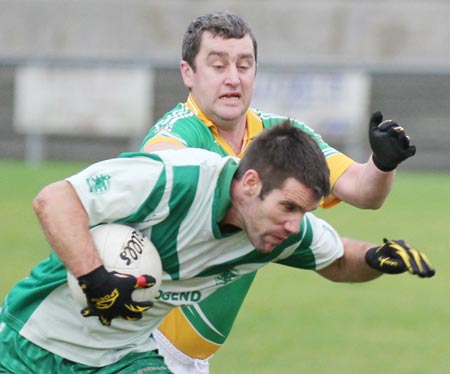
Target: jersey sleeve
<point x="112" y="190"/>
<point x="179" y="126"/>
<point x="338" y="163"/>
<point x="320" y="246"/>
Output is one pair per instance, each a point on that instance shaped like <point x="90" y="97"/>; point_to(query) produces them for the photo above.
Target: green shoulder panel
<point x="182" y="125"/>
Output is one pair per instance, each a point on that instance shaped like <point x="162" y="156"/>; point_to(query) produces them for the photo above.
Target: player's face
<point x="223" y="81"/>
<point x="270" y="221"/>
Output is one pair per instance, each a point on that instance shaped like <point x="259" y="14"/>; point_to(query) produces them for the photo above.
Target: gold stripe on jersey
<point x="337" y="164"/>
<point x="184" y="337"/>
<point x="162" y="139"/>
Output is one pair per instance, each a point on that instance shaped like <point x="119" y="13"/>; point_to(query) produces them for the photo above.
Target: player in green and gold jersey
<point x="219" y="63"/>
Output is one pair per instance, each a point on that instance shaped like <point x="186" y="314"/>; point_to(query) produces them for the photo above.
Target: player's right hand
<point x="109" y="295"/>
<point x="389" y="143"/>
<point x="396" y="256"/>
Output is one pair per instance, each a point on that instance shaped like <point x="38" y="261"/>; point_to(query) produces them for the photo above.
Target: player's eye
<point x="289" y="207"/>
<point x="245" y="64"/>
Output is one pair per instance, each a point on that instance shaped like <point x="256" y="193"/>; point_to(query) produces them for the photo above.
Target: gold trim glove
<point x="390" y="145"/>
<point x="396" y="256"/>
<point x="109" y="295"/>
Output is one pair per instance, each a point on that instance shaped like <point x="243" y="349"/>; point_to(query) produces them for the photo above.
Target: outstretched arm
<point x="367" y="185"/>
<point x="352" y="266"/>
<point x="364" y="261"/>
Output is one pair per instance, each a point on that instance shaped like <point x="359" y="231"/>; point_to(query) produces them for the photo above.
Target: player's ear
<point x="187" y="74"/>
<point x="251" y="183"/>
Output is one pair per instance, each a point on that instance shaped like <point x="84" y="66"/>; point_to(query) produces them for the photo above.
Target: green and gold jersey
<point x="188" y="126"/>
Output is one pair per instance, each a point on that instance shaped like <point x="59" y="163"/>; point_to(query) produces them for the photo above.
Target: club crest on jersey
<point x="98" y="184"/>
<point x="161" y="128"/>
<point x="227" y="277"/>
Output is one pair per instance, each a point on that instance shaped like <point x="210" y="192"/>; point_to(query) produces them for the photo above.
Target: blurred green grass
<point x="295" y="321"/>
<point x="22" y="242"/>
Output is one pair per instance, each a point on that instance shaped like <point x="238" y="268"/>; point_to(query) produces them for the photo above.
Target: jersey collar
<point x="254" y="126"/>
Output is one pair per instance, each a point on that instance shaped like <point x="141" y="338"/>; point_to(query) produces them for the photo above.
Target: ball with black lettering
<point x="126" y="250"/>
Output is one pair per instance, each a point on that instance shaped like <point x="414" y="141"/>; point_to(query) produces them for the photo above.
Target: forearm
<point x="364" y="185"/>
<point x="66" y="227"/>
<point x="352" y="266"/>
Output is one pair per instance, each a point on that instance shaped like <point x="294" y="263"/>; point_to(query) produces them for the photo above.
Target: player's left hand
<point x="390" y="145"/>
<point x="396" y="256"/>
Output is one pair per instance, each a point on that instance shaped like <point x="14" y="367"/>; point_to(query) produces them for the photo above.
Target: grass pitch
<point x="295" y="321"/>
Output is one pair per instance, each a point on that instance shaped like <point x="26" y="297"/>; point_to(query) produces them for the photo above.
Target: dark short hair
<point x="224" y="24"/>
<point x="283" y="152"/>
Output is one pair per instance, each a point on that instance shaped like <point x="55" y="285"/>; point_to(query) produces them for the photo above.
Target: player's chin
<point x="231" y="110"/>
<point x="267" y="247"/>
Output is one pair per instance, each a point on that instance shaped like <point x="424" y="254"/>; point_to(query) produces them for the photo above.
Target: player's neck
<point x="233" y="216"/>
<point x="234" y="135"/>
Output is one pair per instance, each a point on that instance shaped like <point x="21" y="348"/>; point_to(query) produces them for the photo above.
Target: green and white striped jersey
<point x="176" y="198"/>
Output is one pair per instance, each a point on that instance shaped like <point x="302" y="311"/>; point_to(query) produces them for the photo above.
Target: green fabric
<point x="20" y="356"/>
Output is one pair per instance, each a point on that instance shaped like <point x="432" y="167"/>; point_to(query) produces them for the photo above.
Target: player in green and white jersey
<point x="212" y="220"/>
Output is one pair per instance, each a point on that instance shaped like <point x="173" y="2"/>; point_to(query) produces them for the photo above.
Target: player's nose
<point x="293" y="225"/>
<point x="232" y="75"/>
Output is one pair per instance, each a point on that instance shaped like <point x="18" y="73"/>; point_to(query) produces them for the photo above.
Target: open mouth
<point x="230" y="97"/>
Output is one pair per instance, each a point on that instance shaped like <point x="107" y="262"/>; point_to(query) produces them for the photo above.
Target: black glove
<point x="389" y="143"/>
<point x="109" y="295"/>
<point x="395" y="256"/>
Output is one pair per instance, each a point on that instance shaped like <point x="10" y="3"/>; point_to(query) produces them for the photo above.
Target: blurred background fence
<point x="85" y="80"/>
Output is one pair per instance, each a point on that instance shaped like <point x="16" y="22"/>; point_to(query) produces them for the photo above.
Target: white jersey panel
<point x="125" y="194"/>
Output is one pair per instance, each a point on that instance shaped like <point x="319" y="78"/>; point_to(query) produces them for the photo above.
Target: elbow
<point x="333" y="272"/>
<point x="40" y="202"/>
<point x="371" y="200"/>
<point x="372" y="204"/>
<point x="376" y="204"/>
<point x="44" y="200"/>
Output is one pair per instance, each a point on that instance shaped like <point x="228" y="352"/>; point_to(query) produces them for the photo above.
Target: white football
<point x="126" y="250"/>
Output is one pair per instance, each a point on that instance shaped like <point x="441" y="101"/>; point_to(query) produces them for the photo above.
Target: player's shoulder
<point x="179" y="113"/>
<point x="270" y="119"/>
<point x="179" y="125"/>
<point x="193" y="156"/>
<point x="177" y="119"/>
